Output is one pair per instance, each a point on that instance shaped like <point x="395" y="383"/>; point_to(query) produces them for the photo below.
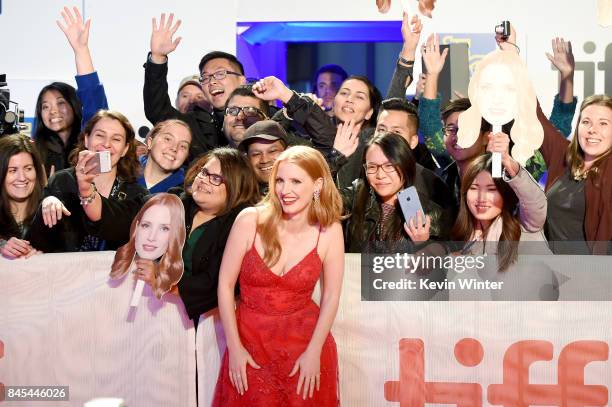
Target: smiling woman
<point x="375" y="217"/>
<point x="297" y="229"/>
<point x="579" y="184"/>
<point x="57" y="124"/>
<point x="61" y="222"/>
<point x="22" y="179"/>
<point x="168" y="144"/>
<point x="224" y="185"/>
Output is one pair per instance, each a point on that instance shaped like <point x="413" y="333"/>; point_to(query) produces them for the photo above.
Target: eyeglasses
<point x="214" y="179"/>
<point x="249" y="111"/>
<point x="373" y="168"/>
<point x="450" y="130"/>
<point x="219" y="75"/>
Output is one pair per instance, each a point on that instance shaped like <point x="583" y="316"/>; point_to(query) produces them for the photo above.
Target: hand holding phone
<point x="410" y="204"/>
<point x="417" y="223"/>
<point x="102" y="162"/>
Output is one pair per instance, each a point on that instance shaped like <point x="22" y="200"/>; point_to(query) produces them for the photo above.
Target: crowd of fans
<point x="217" y="147"/>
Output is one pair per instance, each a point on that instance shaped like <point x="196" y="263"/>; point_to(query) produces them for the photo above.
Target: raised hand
<point x="411" y="33"/>
<point x="309" y="366"/>
<point x="562" y="57"/>
<point x="508" y="44"/>
<point x="434" y="60"/>
<point x="314" y="98"/>
<point x="162" y="43"/>
<point x="347" y="138"/>
<point x="416" y="230"/>
<point x="74" y="29"/>
<point x="272" y="88"/>
<point x="238" y="360"/>
<point x="77" y="34"/>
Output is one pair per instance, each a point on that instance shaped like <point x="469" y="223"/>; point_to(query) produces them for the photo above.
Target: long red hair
<point x="171" y="267"/>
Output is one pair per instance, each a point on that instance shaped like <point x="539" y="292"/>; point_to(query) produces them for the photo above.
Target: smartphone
<point x="410" y="203"/>
<point x="102" y="162"/>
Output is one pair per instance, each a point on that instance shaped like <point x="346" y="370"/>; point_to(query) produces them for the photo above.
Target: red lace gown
<point x="276" y="318"/>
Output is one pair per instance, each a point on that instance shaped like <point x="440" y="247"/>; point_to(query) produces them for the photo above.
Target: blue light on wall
<point x="357" y="31"/>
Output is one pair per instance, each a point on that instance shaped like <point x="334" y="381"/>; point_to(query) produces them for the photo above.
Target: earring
<point x="316" y="195"/>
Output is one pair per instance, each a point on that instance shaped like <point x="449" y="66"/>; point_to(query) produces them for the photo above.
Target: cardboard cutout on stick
<point x="157" y="232"/>
<point x="500" y="92"/>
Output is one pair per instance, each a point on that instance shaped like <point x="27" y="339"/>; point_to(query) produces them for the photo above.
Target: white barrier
<point x="62" y="323"/>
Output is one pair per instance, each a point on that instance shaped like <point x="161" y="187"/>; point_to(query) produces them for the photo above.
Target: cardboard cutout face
<point x="153" y="233"/>
<point x="500" y="91"/>
<point x="157" y="233"/>
<point x="497" y="95"/>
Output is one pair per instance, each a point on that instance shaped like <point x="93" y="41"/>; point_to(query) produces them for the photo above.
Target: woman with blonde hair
<point x="157" y="232"/>
<point x="277" y="330"/>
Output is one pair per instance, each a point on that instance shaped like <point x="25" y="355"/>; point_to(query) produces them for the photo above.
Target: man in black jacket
<point x="220" y="74"/>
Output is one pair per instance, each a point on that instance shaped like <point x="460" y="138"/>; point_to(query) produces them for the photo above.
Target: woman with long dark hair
<point x="58" y="116"/>
<point x="375" y="216"/>
<point x="489" y="210"/>
<point x="355" y="106"/>
<point x="22" y="179"/>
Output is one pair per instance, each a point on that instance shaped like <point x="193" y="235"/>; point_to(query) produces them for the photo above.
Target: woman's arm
<point x="89" y="89"/>
<point x="403" y="73"/>
<point x="333" y="270"/>
<point x="532" y="200"/>
<point x="235" y="250"/>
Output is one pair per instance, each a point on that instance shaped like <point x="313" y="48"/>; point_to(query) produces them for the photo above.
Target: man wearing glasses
<point x="242" y="109"/>
<point x="220" y="74"/>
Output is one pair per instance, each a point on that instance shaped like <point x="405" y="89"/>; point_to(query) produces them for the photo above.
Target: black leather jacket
<point x="436" y="199"/>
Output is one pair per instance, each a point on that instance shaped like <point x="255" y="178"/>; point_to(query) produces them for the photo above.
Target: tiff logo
<point x="516" y="390"/>
<point x="588" y="69"/>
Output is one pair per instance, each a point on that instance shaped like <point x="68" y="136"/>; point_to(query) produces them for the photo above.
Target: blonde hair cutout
<point x="527" y="132"/>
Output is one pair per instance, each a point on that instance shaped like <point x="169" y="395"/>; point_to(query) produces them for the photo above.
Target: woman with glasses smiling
<point x="376" y="221"/>
<point x="224" y="185"/>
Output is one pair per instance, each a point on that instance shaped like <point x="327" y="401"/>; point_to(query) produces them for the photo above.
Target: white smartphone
<point x="102" y="161"/>
<point x="410" y="204"/>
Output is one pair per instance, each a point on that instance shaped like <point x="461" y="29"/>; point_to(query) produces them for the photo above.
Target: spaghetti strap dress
<point x="276" y="318"/>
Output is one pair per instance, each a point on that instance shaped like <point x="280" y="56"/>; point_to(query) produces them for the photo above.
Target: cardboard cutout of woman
<point x="157" y="232"/>
<point x="500" y="91"/>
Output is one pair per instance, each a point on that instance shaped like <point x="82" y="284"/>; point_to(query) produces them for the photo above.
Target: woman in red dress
<point x="279" y="348"/>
